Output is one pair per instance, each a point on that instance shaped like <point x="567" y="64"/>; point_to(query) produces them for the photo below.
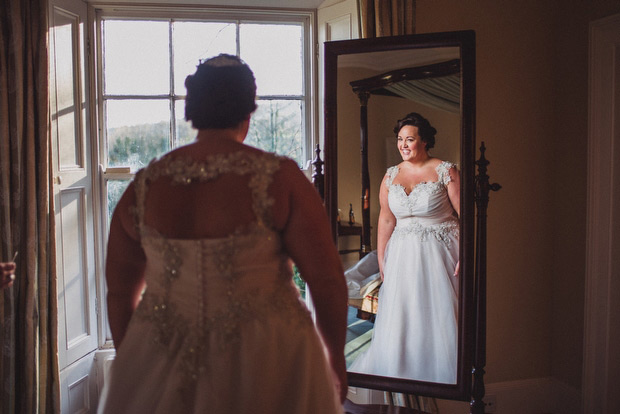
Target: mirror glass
<point x="370" y="85"/>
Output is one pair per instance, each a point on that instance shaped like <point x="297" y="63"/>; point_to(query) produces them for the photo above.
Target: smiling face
<point x="410" y="144"/>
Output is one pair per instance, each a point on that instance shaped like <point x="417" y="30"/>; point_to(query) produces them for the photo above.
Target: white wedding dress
<point x="221" y="327"/>
<point x="415" y="331"/>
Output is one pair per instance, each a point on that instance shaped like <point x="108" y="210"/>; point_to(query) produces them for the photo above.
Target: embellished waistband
<point x="441" y="231"/>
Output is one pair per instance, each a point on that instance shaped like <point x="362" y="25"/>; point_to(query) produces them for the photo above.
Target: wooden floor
<point x="351" y="408"/>
<point x="359" y="333"/>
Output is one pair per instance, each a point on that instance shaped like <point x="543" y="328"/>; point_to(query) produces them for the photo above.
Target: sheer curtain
<point x="386" y="17"/>
<point x="29" y="381"/>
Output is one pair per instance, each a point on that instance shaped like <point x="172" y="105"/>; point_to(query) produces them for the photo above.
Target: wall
<point x="514" y="107"/>
<point x="571" y="121"/>
<point x="291" y="4"/>
<point x="532" y="84"/>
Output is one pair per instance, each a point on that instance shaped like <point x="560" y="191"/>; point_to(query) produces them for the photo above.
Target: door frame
<point x="601" y="324"/>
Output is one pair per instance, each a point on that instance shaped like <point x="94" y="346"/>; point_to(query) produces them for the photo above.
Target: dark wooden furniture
<point x="354" y="230"/>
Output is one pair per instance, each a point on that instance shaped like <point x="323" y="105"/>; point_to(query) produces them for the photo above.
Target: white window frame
<point x="306" y="18"/>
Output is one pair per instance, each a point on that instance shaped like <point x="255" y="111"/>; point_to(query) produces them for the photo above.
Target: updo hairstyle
<point x="220" y="94"/>
<point x="425" y="129"/>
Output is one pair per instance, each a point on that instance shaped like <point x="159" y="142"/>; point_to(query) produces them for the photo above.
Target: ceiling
<point x="286" y="4"/>
<point x="398" y="59"/>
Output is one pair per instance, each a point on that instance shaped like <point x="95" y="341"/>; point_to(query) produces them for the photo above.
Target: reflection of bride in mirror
<point x="415" y="332"/>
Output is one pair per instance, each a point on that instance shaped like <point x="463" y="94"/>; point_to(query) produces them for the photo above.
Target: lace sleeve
<point x="443" y="172"/>
<point x="391" y="173"/>
<point x="264" y="169"/>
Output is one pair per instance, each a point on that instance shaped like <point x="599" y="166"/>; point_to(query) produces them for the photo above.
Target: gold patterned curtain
<point x="29" y="381"/>
<point x="386" y="17"/>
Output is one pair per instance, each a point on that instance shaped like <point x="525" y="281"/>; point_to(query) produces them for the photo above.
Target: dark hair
<point x="425" y="129"/>
<point x="220" y="94"/>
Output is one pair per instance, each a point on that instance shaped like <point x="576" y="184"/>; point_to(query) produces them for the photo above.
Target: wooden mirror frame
<point x="465" y="41"/>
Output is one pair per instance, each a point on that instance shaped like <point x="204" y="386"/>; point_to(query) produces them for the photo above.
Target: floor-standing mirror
<point x="369" y="84"/>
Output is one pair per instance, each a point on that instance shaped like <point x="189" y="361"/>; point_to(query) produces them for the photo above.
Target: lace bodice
<point x="427" y="210"/>
<point x="205" y="290"/>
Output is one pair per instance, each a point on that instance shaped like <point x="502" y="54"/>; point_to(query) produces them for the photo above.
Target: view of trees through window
<point x="145" y="63"/>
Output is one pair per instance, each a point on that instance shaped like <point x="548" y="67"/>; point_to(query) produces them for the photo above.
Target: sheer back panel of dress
<point x="208" y="209"/>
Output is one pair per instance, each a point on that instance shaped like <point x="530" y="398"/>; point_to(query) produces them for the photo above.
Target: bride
<point x="415" y="332"/>
<point x="202" y="308"/>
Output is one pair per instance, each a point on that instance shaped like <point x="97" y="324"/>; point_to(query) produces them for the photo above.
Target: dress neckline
<point x="421" y="183"/>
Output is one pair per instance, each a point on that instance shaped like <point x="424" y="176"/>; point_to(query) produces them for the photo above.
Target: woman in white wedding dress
<point x="202" y="308"/>
<point x="415" y="331"/>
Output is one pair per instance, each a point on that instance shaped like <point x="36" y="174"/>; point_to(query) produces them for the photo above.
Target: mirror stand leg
<point x="476" y="406"/>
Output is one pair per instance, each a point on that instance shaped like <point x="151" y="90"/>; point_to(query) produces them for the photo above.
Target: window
<point x="145" y="58"/>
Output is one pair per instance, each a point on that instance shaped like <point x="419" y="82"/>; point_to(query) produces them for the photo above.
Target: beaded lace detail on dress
<point x="238" y="308"/>
<point x="440" y="231"/>
<point x="432" y="187"/>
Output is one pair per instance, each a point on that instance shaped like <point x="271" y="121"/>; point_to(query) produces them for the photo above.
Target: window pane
<point x="274" y="52"/>
<point x="277" y="127"/>
<point x="135" y="58"/>
<point x="195" y="41"/>
<point x="137" y="131"/>
<point x="185" y="132"/>
<point x="116" y="188"/>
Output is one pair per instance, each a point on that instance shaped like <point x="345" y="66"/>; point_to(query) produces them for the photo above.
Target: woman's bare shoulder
<point x="289" y="175"/>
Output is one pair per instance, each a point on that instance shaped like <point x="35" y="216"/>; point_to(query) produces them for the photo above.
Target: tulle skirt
<point x="415" y="332"/>
<point x="271" y="367"/>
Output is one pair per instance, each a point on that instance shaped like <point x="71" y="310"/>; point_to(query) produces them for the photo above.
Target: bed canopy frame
<point x="436" y="85"/>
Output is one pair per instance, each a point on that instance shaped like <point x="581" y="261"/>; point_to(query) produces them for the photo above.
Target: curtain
<point x="29" y="381"/>
<point x="386" y="17"/>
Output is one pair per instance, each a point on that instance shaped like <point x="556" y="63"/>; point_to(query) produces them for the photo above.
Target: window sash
<point x="306" y="18"/>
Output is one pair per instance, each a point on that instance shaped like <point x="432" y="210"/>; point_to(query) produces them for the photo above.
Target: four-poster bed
<point x="434" y="85"/>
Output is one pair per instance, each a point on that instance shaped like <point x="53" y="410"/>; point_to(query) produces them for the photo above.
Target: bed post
<point x="318" y="179"/>
<point x="365" y="247"/>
